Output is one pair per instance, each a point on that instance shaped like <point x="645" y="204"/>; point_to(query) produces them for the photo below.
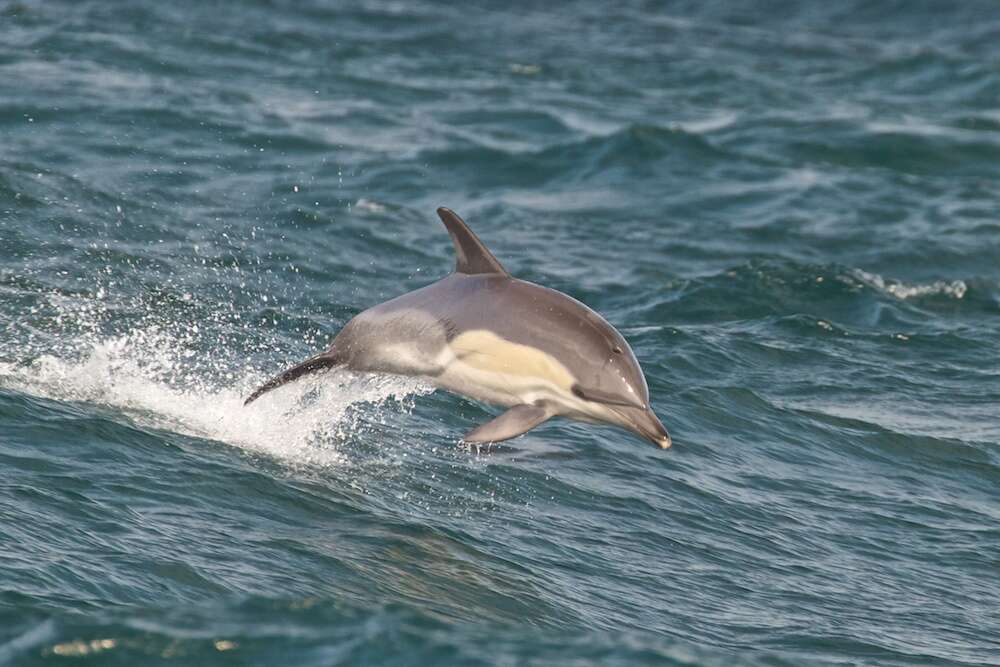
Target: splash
<point x="159" y="378"/>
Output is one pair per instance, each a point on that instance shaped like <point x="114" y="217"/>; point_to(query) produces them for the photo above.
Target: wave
<point x="830" y="292"/>
<point x="631" y="151"/>
<point x="955" y="289"/>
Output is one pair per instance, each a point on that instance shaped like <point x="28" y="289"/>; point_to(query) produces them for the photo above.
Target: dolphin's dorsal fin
<point x="471" y="256"/>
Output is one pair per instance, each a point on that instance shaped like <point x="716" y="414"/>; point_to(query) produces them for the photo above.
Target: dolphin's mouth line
<point x="646" y="424"/>
<point x="604" y="398"/>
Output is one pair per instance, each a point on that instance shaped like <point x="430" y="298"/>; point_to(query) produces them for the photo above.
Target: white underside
<point x="501" y="388"/>
<point x="500" y="375"/>
<point x="509" y="390"/>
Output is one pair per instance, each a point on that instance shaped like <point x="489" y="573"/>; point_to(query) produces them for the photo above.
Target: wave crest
<point x="955" y="289"/>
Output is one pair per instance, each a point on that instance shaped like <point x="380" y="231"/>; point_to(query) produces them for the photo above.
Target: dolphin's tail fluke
<point x="320" y="362"/>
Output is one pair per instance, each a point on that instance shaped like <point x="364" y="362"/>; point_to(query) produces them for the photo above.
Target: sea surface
<point x="791" y="210"/>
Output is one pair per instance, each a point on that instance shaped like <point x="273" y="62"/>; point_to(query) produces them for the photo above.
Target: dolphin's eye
<point x="616" y="350"/>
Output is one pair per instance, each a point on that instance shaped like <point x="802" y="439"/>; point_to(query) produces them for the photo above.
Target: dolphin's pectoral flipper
<point x="518" y="420"/>
<point x="311" y="365"/>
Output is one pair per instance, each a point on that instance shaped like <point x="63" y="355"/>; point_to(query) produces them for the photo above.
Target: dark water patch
<point x="897" y="149"/>
<point x="363" y="634"/>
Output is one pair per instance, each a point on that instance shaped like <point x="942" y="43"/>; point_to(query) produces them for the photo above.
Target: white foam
<point x="156" y="382"/>
<point x="956" y="289"/>
<point x="707" y="124"/>
<point x="369" y="206"/>
<point x="571" y="200"/>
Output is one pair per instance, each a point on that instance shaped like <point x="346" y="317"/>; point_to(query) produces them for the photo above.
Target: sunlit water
<point x="791" y="212"/>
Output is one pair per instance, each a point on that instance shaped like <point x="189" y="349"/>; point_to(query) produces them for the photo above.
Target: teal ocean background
<point x="790" y="209"/>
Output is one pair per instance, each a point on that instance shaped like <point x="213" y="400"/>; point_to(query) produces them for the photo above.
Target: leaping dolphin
<point x="481" y="333"/>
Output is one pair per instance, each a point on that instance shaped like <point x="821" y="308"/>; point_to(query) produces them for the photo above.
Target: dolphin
<point x="481" y="333"/>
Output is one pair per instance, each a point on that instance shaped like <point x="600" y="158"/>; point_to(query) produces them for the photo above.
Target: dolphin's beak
<point x="645" y="423"/>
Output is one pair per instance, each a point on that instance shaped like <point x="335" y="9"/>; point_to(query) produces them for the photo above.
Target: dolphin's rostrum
<point x="484" y="334"/>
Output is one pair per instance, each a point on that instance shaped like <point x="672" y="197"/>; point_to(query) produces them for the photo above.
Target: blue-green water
<point x="791" y="210"/>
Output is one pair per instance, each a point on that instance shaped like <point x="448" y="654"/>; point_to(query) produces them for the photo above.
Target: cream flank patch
<point x="485" y="351"/>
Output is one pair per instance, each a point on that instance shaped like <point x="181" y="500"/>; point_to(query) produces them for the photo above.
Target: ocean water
<point x="790" y="209"/>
